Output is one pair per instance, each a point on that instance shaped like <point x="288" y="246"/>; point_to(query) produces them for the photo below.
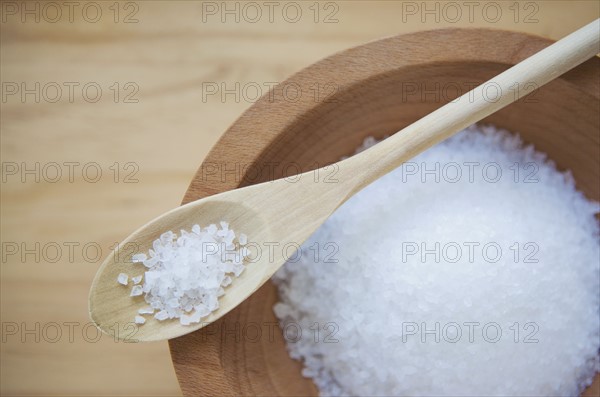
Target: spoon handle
<point x="489" y="97"/>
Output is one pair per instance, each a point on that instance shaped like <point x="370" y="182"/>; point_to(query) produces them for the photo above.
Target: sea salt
<point x="186" y="274"/>
<point x="139" y="320"/>
<point x="136" y="290"/>
<point x="122" y="279"/>
<point x="395" y="311"/>
<point x="146" y="310"/>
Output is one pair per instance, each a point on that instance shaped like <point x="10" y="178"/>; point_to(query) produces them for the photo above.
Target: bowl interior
<point x="244" y="354"/>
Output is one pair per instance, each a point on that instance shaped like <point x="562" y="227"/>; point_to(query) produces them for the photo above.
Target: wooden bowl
<point x="323" y="113"/>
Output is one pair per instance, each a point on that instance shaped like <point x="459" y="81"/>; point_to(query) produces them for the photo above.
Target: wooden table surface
<point x="108" y="109"/>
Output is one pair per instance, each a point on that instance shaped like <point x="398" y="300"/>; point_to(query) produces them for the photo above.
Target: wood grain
<point x="169" y="53"/>
<point x="309" y="132"/>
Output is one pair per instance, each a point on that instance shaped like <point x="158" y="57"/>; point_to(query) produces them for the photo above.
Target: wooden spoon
<point x="288" y="211"/>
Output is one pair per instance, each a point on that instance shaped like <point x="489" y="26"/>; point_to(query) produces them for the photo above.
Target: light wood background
<point x="169" y="54"/>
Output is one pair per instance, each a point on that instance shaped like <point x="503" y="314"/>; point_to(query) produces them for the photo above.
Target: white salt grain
<point x="186" y="274"/>
<point x="140" y="320"/>
<point x="136" y="290"/>
<point x="122" y="279"/>
<point x="212" y="229"/>
<point x="146" y="310"/>
<point x="379" y="310"/>
<point x="161" y="315"/>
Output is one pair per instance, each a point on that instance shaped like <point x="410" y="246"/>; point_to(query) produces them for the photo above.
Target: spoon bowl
<point x="248" y="210"/>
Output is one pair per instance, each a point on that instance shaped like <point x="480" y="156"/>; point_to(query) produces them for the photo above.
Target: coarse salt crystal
<point x="212" y="229"/>
<point x="122" y="279"/>
<point x="140" y="320"/>
<point x="136" y="290"/>
<point x="161" y="315"/>
<point x="183" y="278"/>
<point x="146" y="310"/>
